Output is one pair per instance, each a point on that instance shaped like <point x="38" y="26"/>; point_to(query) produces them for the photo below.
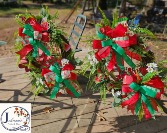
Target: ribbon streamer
<point x="24" y="51"/>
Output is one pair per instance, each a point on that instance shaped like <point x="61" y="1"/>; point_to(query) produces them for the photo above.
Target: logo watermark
<point x="15" y="117"/>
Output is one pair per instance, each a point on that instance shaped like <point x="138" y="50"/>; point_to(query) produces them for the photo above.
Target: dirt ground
<point x="8" y="26"/>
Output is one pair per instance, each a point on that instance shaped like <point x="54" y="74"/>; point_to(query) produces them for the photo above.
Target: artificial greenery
<point x="115" y="81"/>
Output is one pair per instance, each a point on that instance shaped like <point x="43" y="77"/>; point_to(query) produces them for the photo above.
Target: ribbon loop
<point x="134" y="86"/>
<point x="28" y="30"/>
<point x="99" y="34"/>
<point x="146" y="90"/>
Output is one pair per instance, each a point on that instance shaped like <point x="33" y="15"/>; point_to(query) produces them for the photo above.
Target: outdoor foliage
<point x="137" y="85"/>
<point x="120" y="62"/>
<point x="45" y="54"/>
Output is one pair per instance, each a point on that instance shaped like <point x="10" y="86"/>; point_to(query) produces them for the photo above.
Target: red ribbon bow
<point x="120" y="31"/>
<point x="42" y="28"/>
<point x="132" y="101"/>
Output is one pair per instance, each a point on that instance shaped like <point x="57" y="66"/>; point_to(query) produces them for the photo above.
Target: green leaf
<point x="162" y="71"/>
<point x="84" y="68"/>
<point x="93" y="70"/>
<point x="115" y="18"/>
<point x="95" y="86"/>
<point x="91" y="85"/>
<point x="162" y="62"/>
<point x="38" y="90"/>
<point x="140" y="114"/>
<point x="17" y="18"/>
<point x="117" y="100"/>
<point x="105" y="21"/>
<point x="103" y="92"/>
<point x="44" y="11"/>
<point x="145" y="31"/>
<point x="137" y="49"/>
<point x="91" y="81"/>
<point x="148" y="77"/>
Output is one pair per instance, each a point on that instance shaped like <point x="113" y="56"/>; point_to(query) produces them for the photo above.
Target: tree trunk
<point x="103" y="4"/>
<point x="122" y="8"/>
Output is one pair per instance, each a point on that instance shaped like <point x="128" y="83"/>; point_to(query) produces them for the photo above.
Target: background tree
<point x="122" y="8"/>
<point x="103" y="4"/>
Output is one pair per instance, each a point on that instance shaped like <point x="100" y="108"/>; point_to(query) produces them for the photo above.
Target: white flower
<point x="95" y="60"/>
<point x="150" y="69"/>
<point x="118" y="93"/>
<point x="89" y="57"/>
<point x="91" y="62"/>
<point x="153" y="65"/>
<point x="64" y="62"/>
<point x="92" y="59"/>
<point x="112" y="91"/>
<point x="44" y="19"/>
<point x="131" y="33"/>
<point x="106" y="64"/>
<point x="39" y="81"/>
<point x="65" y="74"/>
<point x="148" y="65"/>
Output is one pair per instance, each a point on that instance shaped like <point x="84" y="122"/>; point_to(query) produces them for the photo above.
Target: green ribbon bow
<point x="144" y="91"/>
<point x="29" y="31"/>
<point x="58" y="78"/>
<point x="120" y="53"/>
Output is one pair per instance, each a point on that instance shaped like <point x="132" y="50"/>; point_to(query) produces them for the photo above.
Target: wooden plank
<point x="14" y="73"/>
<point x="54" y="126"/>
<point x="8" y="69"/>
<point x="150" y="126"/>
<point x="6" y="59"/>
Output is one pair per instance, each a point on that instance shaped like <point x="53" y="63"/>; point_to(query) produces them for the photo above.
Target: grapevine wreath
<point x="120" y="61"/>
<point x="44" y="52"/>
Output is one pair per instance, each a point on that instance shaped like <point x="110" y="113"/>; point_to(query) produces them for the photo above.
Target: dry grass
<point x="160" y="49"/>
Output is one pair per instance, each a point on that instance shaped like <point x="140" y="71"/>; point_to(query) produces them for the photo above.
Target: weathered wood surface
<point x="17" y="88"/>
